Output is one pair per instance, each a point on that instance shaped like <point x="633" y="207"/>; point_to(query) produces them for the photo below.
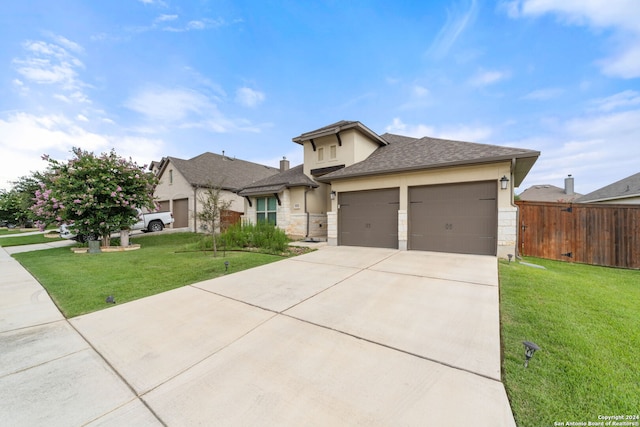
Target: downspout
<point x="306" y="211"/>
<point x="195" y="208"/>
<point x="513" y="204"/>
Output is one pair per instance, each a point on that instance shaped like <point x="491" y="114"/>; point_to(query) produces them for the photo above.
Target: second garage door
<point x="369" y="218"/>
<point x="458" y="218"/>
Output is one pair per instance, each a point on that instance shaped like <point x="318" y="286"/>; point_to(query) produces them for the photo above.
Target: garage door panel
<point x="181" y="213"/>
<point x="460" y="218"/>
<point x="369" y="218"/>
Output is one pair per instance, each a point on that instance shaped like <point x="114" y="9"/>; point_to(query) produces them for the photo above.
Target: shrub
<point x="264" y="236"/>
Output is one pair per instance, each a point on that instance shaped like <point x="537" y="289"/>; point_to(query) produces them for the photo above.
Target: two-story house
<point x="358" y="188"/>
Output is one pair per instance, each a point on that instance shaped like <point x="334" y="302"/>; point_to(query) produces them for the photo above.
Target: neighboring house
<point x="182" y="182"/>
<point x="358" y="188"/>
<point x="626" y="191"/>
<point x="551" y="193"/>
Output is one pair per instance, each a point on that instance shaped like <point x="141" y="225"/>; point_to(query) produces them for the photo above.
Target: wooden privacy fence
<point x="597" y="234"/>
<point x="229" y="218"/>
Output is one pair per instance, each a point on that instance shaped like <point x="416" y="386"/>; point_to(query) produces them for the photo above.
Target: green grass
<point x="7" y="231"/>
<point x="31" y="239"/>
<point x="586" y="319"/>
<point x="80" y="283"/>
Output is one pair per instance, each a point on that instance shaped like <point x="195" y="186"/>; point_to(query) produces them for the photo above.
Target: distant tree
<point x="94" y="195"/>
<point x="26" y="187"/>
<point x="9" y="206"/>
<point x="212" y="205"/>
<point x="15" y="204"/>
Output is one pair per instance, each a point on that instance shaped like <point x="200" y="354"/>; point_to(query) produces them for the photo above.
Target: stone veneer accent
<point x="403" y="229"/>
<point x="507" y="229"/>
<point x="332" y="228"/>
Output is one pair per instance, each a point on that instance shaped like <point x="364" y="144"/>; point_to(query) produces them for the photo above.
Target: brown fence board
<point x="598" y="234"/>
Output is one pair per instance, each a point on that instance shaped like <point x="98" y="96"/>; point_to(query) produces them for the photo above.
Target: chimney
<point x="284" y="164"/>
<point x="568" y="186"/>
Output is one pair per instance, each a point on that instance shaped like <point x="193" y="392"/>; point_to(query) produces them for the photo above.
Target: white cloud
<point x="627" y="98"/>
<point x="249" y="97"/>
<point x="485" y="78"/>
<point x="169" y="105"/>
<point x="625" y="63"/>
<point x="544" y="94"/>
<point x="622" y="16"/>
<point x="165" y="18"/>
<point x="416" y="131"/>
<point x="27" y="137"/>
<point x="465" y="133"/>
<point x="457" y="22"/>
<point x="459" y="132"/>
<point x="66" y="43"/>
<point x="597" y="148"/>
<point x="420" y="91"/>
<point x="185" y="108"/>
<point x="52" y="64"/>
<point x="195" y="25"/>
<point x="82" y="118"/>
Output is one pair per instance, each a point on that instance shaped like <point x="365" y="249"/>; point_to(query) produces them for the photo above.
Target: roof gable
<point x="293" y="177"/>
<point x="214" y="169"/>
<point x="625" y="188"/>
<point x="336" y="128"/>
<point x="407" y="154"/>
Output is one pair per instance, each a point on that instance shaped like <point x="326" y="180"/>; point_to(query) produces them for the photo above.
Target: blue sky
<point x="154" y="78"/>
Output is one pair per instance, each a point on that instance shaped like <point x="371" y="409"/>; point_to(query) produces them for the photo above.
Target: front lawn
<point x="30" y="239"/>
<point x="586" y="320"/>
<point x="80" y="283"/>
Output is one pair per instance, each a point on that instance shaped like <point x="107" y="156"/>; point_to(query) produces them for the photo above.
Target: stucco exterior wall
<point x="176" y="189"/>
<point x="355" y="148"/>
<point x="507" y="212"/>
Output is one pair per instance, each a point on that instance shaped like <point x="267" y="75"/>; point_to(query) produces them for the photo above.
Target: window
<point x="333" y="152"/>
<point x="170" y="176"/>
<point x="320" y="154"/>
<point x="266" y="208"/>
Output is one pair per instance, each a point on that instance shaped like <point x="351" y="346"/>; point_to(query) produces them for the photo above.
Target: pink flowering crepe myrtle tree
<point x="94" y="195"/>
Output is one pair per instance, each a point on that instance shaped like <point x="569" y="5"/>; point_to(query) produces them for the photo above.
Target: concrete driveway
<point x="340" y="336"/>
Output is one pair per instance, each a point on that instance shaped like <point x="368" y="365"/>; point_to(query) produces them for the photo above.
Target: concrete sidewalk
<point x="340" y="336"/>
<point x="49" y="374"/>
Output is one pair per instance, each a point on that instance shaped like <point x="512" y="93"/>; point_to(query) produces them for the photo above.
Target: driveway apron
<point x="339" y="336"/>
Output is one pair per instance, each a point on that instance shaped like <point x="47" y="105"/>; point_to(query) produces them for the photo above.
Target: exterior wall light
<point x="529" y="349"/>
<point x="503" y="182"/>
<point x="333" y="195"/>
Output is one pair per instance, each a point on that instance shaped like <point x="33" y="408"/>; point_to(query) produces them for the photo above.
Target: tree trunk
<point x="124" y="237"/>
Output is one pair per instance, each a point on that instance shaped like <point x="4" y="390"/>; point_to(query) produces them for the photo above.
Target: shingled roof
<point x="547" y="193"/>
<point x="215" y="169"/>
<point x="336" y="128"/>
<point x="293" y="177"/>
<point x="623" y="189"/>
<point x="408" y="154"/>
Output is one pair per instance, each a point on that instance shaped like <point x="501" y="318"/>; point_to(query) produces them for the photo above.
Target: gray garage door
<point x="181" y="213"/>
<point x="458" y="218"/>
<point x="369" y="218"/>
